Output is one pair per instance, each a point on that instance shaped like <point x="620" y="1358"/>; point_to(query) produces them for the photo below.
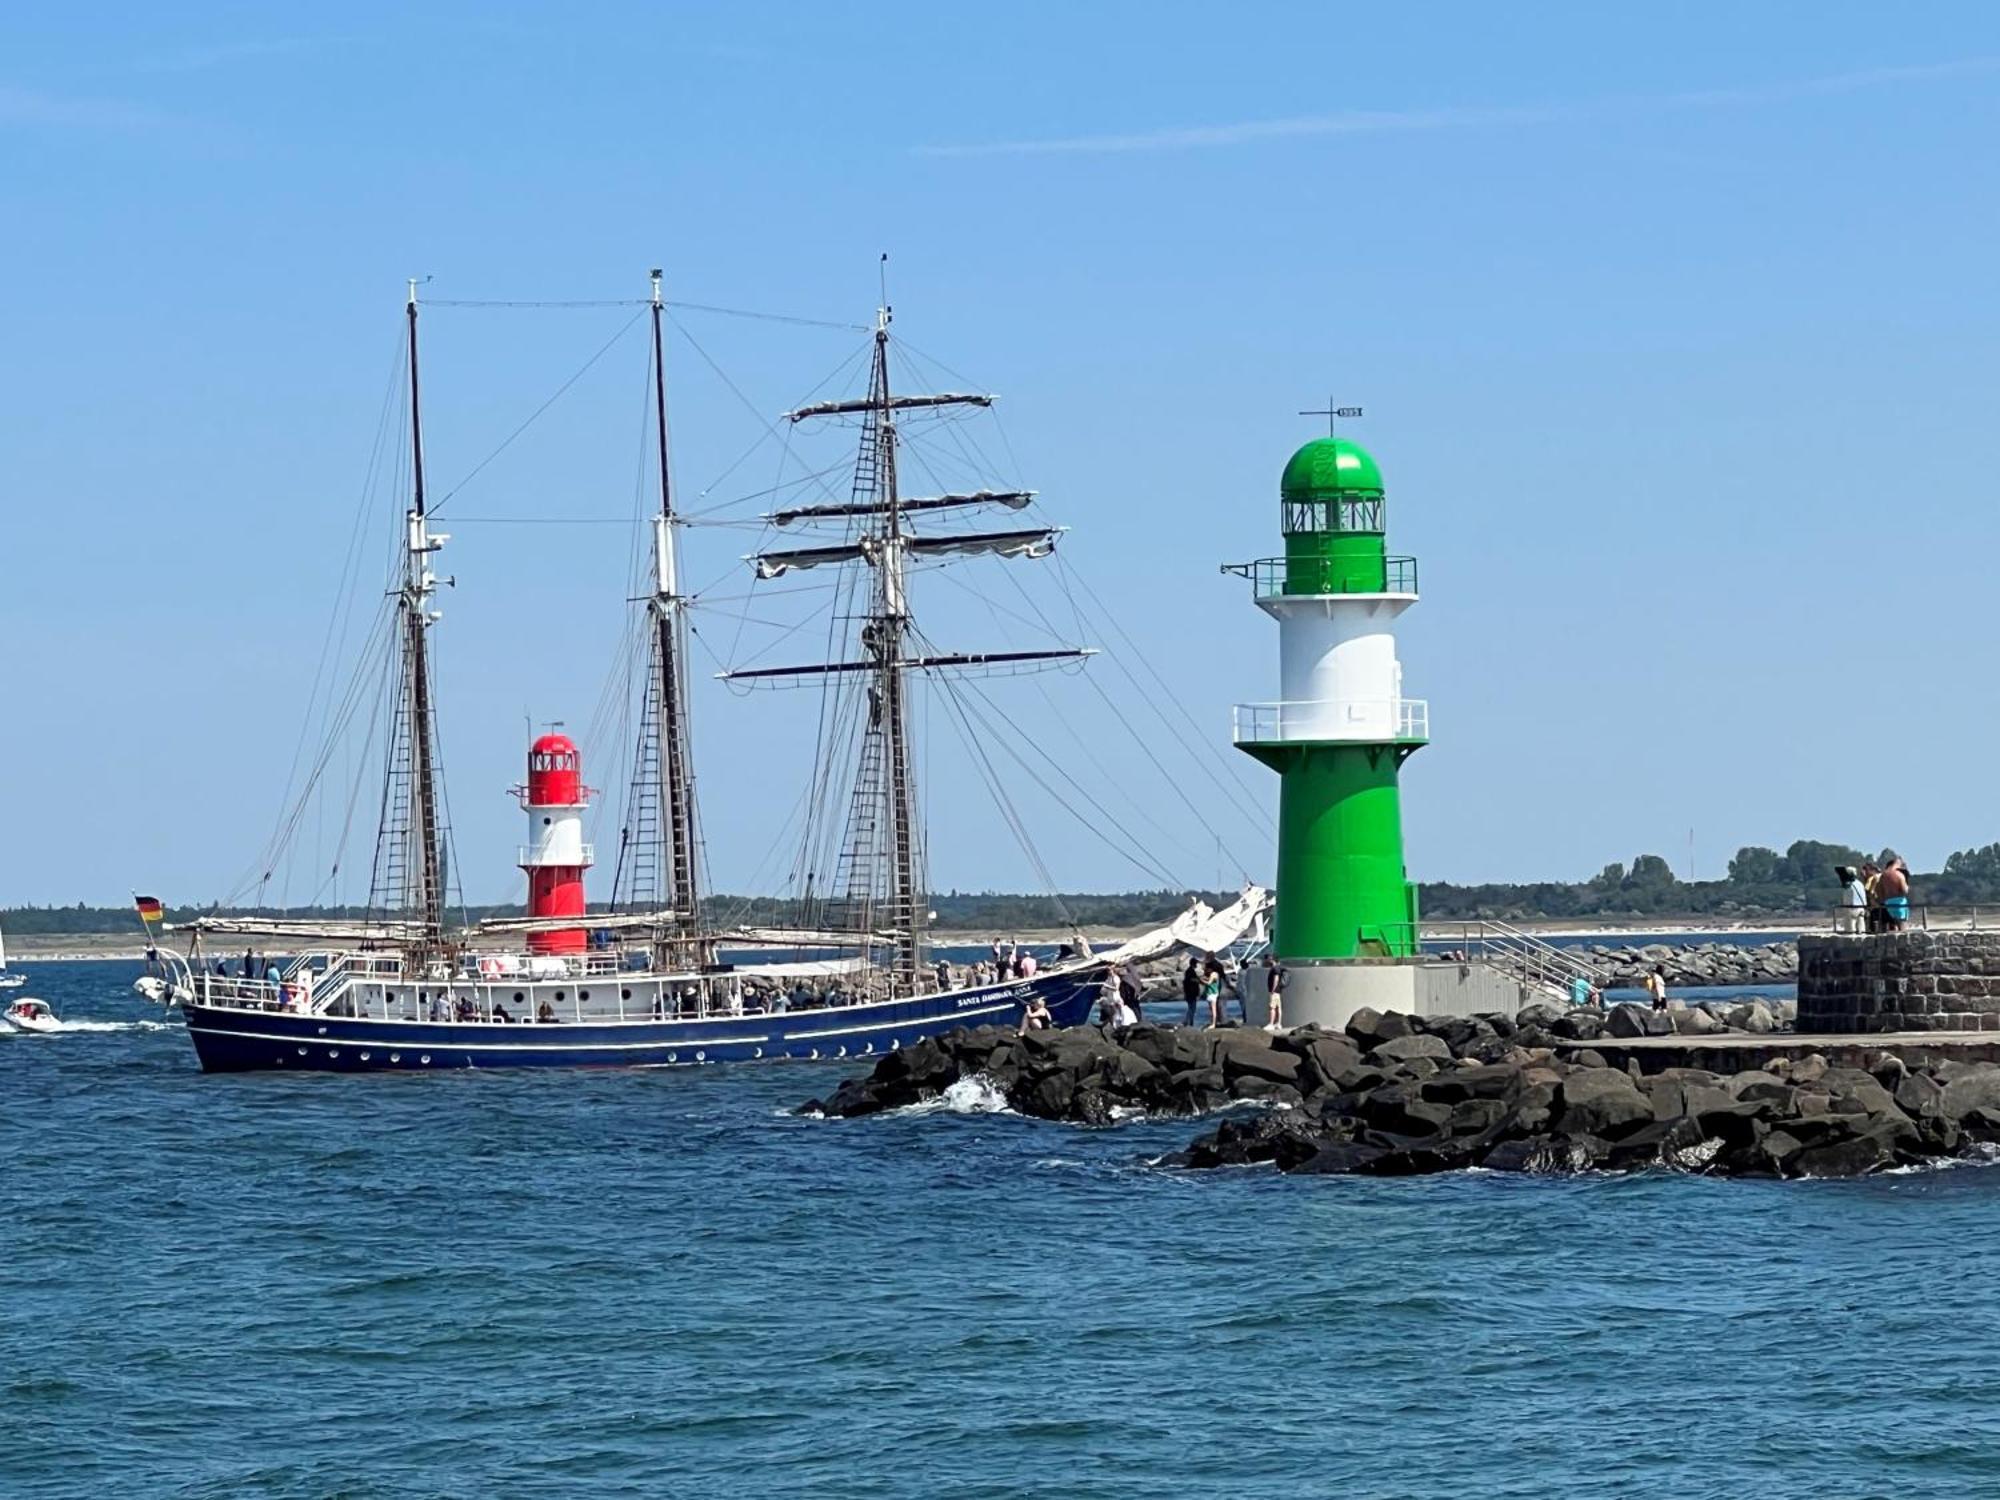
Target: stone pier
<point x="1900" y="982"/>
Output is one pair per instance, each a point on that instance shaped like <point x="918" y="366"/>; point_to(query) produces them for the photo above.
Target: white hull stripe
<point x="427" y="1044"/>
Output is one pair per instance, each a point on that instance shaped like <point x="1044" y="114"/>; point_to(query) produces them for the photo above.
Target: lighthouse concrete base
<point x="1328" y="992"/>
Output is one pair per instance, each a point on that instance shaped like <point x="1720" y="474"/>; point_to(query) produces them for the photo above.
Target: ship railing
<point x="1319" y="719"/>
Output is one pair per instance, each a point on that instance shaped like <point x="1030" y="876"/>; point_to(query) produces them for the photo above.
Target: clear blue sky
<point x="1673" y="326"/>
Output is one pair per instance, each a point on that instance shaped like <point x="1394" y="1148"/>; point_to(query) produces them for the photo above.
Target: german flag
<point x="150" y="909"/>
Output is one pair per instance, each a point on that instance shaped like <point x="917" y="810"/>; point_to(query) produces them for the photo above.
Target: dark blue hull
<point x="230" y="1040"/>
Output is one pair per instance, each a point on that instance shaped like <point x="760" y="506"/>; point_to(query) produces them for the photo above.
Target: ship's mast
<point x="880" y="878"/>
<point x="883" y="635"/>
<point x="425" y="824"/>
<point x="670" y="664"/>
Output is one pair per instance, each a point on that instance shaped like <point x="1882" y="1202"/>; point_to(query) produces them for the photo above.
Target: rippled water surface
<point x="662" y="1284"/>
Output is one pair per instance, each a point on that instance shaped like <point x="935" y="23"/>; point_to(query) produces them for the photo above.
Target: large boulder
<point x="1970" y="1090"/>
<point x="1370" y="1027"/>
<point x="1493" y="1082"/>
<point x="1876" y="1144"/>
<point x="1537" y="1015"/>
<point x="1405" y="1049"/>
<point x="1401" y="1109"/>
<point x="1338" y="1157"/>
<point x="1250" y="1053"/>
<point x="1602" y="1102"/>
<point x="1753" y="1015"/>
<point x="1325" y="1059"/>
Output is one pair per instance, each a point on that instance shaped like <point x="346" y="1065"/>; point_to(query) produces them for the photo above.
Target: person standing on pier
<point x="1191" y="986"/>
<point x="1893" y="890"/>
<point x="1656" y="986"/>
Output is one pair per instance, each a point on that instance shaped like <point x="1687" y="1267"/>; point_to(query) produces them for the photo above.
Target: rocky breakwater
<point x="1692" y="964"/>
<point x="1397" y="1095"/>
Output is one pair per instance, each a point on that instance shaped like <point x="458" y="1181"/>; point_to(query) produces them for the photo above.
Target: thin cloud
<point x="1358" y="122"/>
<point x="33" y="107"/>
<point x="1347" y="122"/>
<point x="200" y="56"/>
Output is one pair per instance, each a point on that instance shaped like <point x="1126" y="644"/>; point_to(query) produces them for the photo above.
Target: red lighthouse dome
<point x="555" y="777"/>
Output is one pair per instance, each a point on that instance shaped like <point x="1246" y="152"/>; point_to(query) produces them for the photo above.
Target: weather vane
<point x="1330" y="411"/>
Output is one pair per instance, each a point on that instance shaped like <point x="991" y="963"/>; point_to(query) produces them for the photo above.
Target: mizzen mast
<point x="878" y="884"/>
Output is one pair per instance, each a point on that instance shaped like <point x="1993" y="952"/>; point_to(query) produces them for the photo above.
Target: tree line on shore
<point x="1761" y="882"/>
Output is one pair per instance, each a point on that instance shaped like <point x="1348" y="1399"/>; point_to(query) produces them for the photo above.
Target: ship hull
<point x="234" y="1040"/>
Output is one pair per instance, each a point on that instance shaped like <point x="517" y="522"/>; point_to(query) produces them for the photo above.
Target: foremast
<point x="410" y="871"/>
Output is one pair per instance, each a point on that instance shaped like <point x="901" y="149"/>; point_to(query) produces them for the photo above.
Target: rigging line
<point x="1047" y="698"/>
<point x="1142" y="859"/>
<point x="642" y="302"/>
<point x="1139" y="740"/>
<point x="763" y="494"/>
<point x="1069" y="579"/>
<point x="1008" y="812"/>
<point x="560" y="391"/>
<point x="342" y="599"/>
<point x="771" y="429"/>
<point x="972" y="687"/>
<point x="545" y="521"/>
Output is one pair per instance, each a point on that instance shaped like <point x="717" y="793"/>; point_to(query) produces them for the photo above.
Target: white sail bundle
<point x="1201" y="927"/>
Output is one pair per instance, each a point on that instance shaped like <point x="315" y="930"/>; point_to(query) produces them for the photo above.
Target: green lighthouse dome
<point x="1330" y="468"/>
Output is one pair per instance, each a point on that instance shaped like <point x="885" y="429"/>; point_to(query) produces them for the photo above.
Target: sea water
<point x="666" y="1283"/>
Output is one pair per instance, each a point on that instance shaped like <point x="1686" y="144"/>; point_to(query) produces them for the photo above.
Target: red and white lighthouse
<point x="555" y="855"/>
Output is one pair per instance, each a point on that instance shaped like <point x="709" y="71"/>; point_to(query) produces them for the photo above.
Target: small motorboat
<point x="30" y="1014"/>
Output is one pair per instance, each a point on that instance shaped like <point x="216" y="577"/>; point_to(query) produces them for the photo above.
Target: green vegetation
<point x="957" y="911"/>
<point x="1761" y="883"/>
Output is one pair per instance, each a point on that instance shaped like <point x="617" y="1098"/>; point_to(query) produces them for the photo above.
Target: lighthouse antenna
<point x="1330" y="411"/>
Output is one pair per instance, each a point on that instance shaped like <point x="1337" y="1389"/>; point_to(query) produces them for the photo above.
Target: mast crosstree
<point x="878" y="883"/>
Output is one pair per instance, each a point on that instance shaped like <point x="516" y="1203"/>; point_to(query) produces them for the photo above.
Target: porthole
<point x="395" y="1057"/>
<point x="756" y="1051"/>
<point x="364" y="1057"/>
<point x="558" y="994"/>
<point x="673" y="1057"/>
<point x="424" y="1058"/>
<point x="333" y="1052"/>
<point x="547" y="821"/>
<point x="870" y="1047"/>
<point x="701" y="1057"/>
<point x="580" y="995"/>
<point x="814" y="1054"/>
<point x="302" y="1052"/>
<point x="322" y="1031"/>
<point x="519" y="997"/>
<point x="625" y="994"/>
<point x="842" y="1052"/>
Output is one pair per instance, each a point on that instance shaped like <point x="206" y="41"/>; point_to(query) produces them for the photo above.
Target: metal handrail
<point x="1263" y="723"/>
<point x="1268" y="575"/>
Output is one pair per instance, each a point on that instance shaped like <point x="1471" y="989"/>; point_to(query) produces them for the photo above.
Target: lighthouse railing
<point x="1331" y="720"/>
<point x="1267" y="577"/>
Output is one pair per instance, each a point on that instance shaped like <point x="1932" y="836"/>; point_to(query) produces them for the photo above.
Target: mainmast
<point x="670" y="676"/>
<point x="420" y="861"/>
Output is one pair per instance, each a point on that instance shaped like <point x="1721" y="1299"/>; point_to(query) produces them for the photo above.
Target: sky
<point x="1671" y="325"/>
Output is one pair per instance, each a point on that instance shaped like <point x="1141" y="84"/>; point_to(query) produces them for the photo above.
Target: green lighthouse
<point x="1338" y="737"/>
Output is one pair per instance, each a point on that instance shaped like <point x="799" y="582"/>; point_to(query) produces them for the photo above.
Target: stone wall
<point x="1902" y="981"/>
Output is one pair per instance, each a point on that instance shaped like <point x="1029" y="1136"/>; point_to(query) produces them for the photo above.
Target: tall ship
<point x="647" y="978"/>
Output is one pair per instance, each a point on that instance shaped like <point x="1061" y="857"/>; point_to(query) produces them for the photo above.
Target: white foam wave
<point x="977" y="1095"/>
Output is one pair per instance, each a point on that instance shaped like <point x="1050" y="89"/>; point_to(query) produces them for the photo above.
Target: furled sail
<point x="1038" y="541"/>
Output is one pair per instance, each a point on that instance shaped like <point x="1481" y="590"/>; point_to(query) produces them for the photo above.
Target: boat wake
<point x="61" y="1028"/>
